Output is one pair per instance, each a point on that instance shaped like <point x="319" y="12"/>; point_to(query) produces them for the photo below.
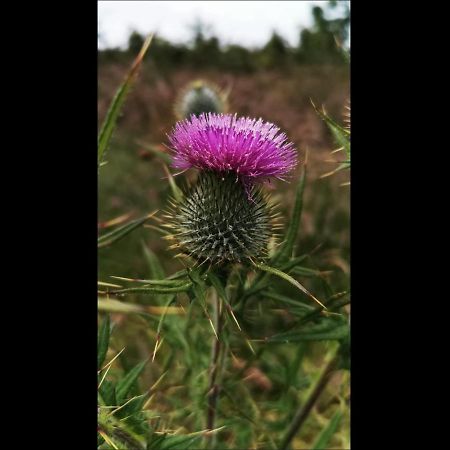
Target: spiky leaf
<point x="124" y="385"/>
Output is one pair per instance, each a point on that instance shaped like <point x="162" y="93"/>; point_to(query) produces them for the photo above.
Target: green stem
<point x="216" y="361"/>
<point x="303" y="412"/>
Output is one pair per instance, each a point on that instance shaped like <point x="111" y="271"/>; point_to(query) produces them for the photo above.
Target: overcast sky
<point x="248" y="23"/>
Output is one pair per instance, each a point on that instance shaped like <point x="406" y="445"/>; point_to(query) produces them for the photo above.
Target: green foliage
<point x="342" y="137"/>
<point x="124" y="386"/>
<point x="327" y="433"/>
<point x="328" y="331"/>
<point x="103" y="341"/>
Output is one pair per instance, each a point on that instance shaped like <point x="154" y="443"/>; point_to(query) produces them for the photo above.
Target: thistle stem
<point x="303" y="411"/>
<point x="216" y="361"/>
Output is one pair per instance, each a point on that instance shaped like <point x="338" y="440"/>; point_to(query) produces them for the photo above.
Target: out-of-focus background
<point x="267" y="76"/>
<point x="273" y="59"/>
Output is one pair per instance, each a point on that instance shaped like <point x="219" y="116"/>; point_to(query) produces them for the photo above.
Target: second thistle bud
<point x="200" y="97"/>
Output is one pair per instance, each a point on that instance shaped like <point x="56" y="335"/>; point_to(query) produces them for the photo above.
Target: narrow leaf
<point x="152" y="291"/>
<point x="156" y="269"/>
<point x="157" y="282"/>
<point x="340" y="134"/>
<point x="287" y="249"/>
<point x="199" y="288"/>
<point x="221" y="291"/>
<point x="327" y="433"/>
<point x="124" y="385"/>
<point x="103" y="341"/>
<point x="113" y="113"/>
<point x="288" y="278"/>
<point x="319" y="334"/>
<point x="287" y="300"/>
<point x="121" y="232"/>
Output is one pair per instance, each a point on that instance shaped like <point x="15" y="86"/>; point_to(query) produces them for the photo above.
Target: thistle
<point x="225" y="217"/>
<point x="200" y="97"/>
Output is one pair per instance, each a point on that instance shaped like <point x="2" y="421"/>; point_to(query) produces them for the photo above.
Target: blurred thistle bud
<point x="200" y="97"/>
<point x="225" y="217"/>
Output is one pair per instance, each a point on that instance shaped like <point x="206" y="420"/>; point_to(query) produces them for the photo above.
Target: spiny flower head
<point x="216" y="222"/>
<point x="252" y="149"/>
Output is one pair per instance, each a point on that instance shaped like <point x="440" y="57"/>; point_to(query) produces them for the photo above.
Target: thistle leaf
<point x="107" y="393"/>
<point x="340" y="134"/>
<point x="288" y="278"/>
<point x="124" y="385"/>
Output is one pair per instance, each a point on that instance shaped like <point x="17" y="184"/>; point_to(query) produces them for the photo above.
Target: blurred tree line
<point x="322" y="43"/>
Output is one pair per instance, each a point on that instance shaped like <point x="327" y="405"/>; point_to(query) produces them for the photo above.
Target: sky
<point x="248" y="23"/>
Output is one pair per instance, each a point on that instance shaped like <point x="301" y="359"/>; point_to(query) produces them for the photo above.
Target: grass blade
<point x="113" y="113"/>
<point x="327" y="433"/>
<point x="103" y="341"/>
<point x="131" y="308"/>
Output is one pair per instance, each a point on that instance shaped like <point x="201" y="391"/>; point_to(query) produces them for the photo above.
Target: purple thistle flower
<point x="251" y="148"/>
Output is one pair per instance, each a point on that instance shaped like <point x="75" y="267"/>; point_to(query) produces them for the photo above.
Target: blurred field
<point x="134" y="182"/>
